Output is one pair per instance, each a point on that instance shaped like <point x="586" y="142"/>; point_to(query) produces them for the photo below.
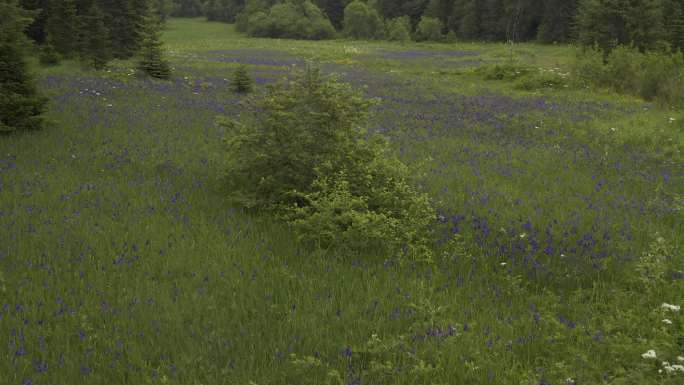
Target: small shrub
<point x="49" y="56"/>
<point x="399" y="29"/>
<point x="371" y="209"/>
<point x="302" y="151"/>
<point x="429" y="29"/>
<point x="541" y="79"/>
<point x="509" y="71"/>
<point x="242" y="83"/>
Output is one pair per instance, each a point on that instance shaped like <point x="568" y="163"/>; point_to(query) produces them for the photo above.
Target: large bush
<point x="653" y="76"/>
<point x="429" y="29"/>
<point x="362" y="21"/>
<point x="302" y="151"/>
<point x="399" y="29"/>
<point x="290" y="20"/>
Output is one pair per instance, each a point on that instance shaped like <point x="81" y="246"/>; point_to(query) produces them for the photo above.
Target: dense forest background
<point x="607" y="23"/>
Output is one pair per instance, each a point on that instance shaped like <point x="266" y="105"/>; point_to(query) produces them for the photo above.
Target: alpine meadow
<point x="337" y="192"/>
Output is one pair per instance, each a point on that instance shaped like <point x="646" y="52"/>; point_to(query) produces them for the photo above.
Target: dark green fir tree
<point x="242" y="83"/>
<point x="152" y="61"/>
<point x="20" y="103"/>
<point x="674" y="23"/>
<point x="93" y="38"/>
<point x="61" y="27"/>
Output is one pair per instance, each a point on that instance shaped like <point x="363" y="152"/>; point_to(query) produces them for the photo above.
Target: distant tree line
<point x="97" y="31"/>
<point x="607" y="23"/>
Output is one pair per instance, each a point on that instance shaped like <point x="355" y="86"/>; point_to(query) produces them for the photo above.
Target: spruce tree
<point x="152" y="61"/>
<point x="125" y="23"/>
<point x="242" y="83"/>
<point x="38" y="13"/>
<point x="556" y="26"/>
<point x="20" y="103"/>
<point x="608" y="23"/>
<point x="674" y="23"/>
<point x="62" y="26"/>
<point x="93" y="38"/>
<point x="466" y="19"/>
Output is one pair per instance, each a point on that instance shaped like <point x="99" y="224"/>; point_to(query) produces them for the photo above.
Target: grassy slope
<point x="122" y="263"/>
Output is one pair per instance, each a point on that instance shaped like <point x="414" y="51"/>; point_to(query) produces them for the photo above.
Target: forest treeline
<point x="645" y="24"/>
<point x="603" y="22"/>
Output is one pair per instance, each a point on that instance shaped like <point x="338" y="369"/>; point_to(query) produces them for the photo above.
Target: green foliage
<point x="557" y="21"/>
<point x="303" y="152"/>
<point x="152" y="61"/>
<point x="49" y="55"/>
<point x="507" y="71"/>
<point x="652" y="75"/>
<point x="194" y="8"/>
<point x="62" y="27"/>
<point x="291" y="20"/>
<point x="399" y="29"/>
<point x="674" y="23"/>
<point x="242" y="83"/>
<point x="609" y="23"/>
<point x="370" y="209"/>
<point x="525" y="77"/>
<point x="429" y="29"/>
<point x="250" y="8"/>
<point x="543" y="79"/>
<point x="654" y="264"/>
<point x="296" y="127"/>
<point x="126" y="25"/>
<point x="362" y="21"/>
<point x="94" y="43"/>
<point x="20" y="103"/>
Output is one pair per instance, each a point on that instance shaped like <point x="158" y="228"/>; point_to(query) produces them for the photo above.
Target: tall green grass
<point x="122" y="263"/>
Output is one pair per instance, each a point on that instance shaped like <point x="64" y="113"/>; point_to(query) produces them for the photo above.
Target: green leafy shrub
<point x="654" y="76"/>
<point x="291" y="20"/>
<point x="49" y="56"/>
<point x="429" y="29"/>
<point x="399" y="29"/>
<point x="542" y="78"/>
<point x="302" y="151"/>
<point x="372" y="208"/>
<point x="242" y="83"/>
<point x="362" y="21"/>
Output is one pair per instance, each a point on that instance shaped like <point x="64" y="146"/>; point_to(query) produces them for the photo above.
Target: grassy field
<point x="561" y="230"/>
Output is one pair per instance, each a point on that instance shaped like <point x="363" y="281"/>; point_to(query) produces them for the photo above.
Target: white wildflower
<point x="672" y="120"/>
<point x="523" y="235"/>
<point x="680" y="358"/>
<point x="667" y="306"/>
<point x="503" y="263"/>
<point x="672" y="368"/>
<point x="613" y="129"/>
<point x="651" y="354"/>
<point x="667" y="321"/>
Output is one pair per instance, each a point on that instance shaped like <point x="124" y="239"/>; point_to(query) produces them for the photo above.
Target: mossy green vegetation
<point x="559" y="229"/>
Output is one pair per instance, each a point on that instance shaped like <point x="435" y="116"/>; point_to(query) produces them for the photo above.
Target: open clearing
<point x="125" y="264"/>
